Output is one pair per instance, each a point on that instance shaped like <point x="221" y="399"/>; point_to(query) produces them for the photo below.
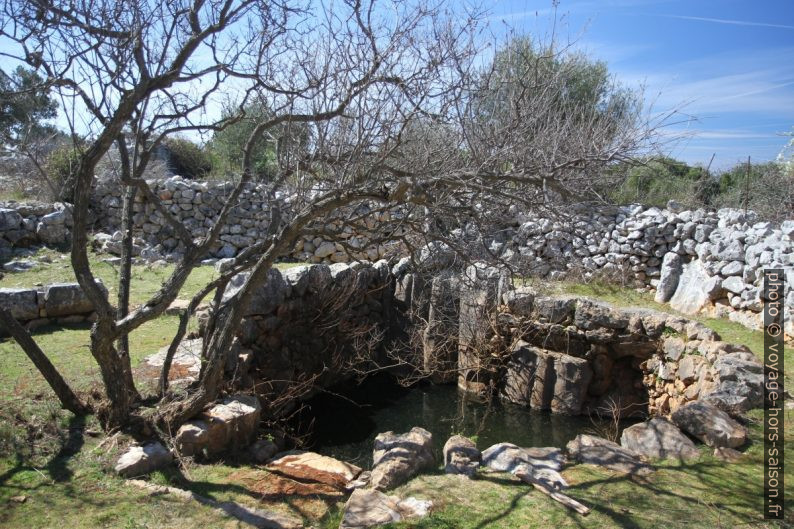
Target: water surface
<point x="346" y="421"/>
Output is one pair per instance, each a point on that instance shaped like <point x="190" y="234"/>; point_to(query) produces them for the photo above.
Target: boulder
<point x="520" y="373"/>
<point x="265" y="298"/>
<point x="692" y="293"/>
<point x="396" y="458"/>
<point x="229" y="424"/>
<point x="593" y="450"/>
<point x="594" y="314"/>
<point x="9" y="219"/>
<point x="140" y="460"/>
<point x="310" y="466"/>
<point x="506" y="457"/>
<point x="555" y="309"/>
<point x="519" y="301"/>
<point x="734" y="398"/>
<point x="709" y="424"/>
<point x="670" y="274"/>
<point x="369" y="508"/>
<point x="658" y="439"/>
<point x="461" y="456"/>
<point x="263" y="450"/>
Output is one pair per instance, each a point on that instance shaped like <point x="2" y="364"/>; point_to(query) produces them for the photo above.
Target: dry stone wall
<point x="59" y="303"/>
<point x="696" y="260"/>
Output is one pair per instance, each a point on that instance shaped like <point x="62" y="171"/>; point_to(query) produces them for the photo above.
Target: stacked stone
<point x="732" y="247"/>
<point x="310" y="321"/>
<point x="32" y="223"/>
<point x="61" y="303"/>
<point x="196" y="205"/>
<point x="574" y="355"/>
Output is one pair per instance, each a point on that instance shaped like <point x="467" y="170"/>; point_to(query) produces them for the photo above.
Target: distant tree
<point x="547" y="110"/>
<point x="228" y="144"/>
<point x="766" y="188"/>
<point x="25" y="104"/>
<point x="656" y="180"/>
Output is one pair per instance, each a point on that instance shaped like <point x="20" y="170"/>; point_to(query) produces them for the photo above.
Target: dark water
<point x="345" y="425"/>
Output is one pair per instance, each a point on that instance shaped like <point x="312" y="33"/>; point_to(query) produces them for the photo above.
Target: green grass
<point x="62" y="465"/>
<point x="705" y="493"/>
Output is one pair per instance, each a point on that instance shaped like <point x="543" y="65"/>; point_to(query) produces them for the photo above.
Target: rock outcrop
<point x="461" y="456"/>
<point x="369" y="508"/>
<point x="143" y="459"/>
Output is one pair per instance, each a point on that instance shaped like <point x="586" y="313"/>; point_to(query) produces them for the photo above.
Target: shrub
<point x="61" y="168"/>
<point x="188" y="159"/>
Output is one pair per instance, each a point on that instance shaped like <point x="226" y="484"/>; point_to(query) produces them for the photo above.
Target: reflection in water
<point x="346" y="423"/>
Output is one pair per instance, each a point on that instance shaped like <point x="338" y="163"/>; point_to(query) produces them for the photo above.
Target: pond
<point x="343" y="421"/>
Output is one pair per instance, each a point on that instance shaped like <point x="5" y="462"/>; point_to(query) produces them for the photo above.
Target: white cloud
<point x="730" y="22"/>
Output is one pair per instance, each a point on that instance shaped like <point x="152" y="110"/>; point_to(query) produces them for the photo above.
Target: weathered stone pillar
<point x="440" y="337"/>
<point x="478" y="300"/>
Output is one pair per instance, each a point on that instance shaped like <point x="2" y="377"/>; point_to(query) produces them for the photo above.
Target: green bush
<point x="61" y="167"/>
<point x="188" y="159"/>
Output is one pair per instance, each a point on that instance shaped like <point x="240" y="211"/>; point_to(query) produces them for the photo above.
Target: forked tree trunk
<point x="68" y="399"/>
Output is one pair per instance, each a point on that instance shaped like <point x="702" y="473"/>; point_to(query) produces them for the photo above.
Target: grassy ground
<point x="55" y="469"/>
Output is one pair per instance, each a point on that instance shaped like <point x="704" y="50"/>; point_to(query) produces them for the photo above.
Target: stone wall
<point x="310" y="327"/>
<point x="697" y="260"/>
<point x="575" y="355"/>
<point x="197" y="205"/>
<point x="318" y="324"/>
<point x="59" y="303"/>
<point x="32" y="223"/>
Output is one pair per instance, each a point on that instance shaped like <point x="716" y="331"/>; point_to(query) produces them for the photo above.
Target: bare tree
<point x="388" y="99"/>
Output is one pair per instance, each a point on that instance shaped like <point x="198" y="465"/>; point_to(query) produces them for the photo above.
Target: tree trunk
<point x="125" y="274"/>
<point x="68" y="399"/>
<point x="118" y="392"/>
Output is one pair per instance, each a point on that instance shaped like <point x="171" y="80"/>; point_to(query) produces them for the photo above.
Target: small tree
<point x="377" y="105"/>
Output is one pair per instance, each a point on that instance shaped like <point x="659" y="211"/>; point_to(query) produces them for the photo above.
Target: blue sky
<point x="727" y="63"/>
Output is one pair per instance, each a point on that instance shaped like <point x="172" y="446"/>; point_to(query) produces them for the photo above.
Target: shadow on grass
<point x="702" y="493"/>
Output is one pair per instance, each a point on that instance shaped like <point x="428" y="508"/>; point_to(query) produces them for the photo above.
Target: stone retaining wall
<point x="566" y="354"/>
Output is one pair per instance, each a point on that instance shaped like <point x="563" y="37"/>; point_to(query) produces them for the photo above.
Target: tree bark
<point x="68" y="399"/>
<point x="125" y="274"/>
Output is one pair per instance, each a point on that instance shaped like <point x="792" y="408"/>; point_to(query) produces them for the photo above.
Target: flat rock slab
<point x="506" y="457"/>
<point x="369" y="508"/>
<point x="310" y="466"/>
<point x="658" y="439"/>
<point x="593" y="450"/>
<point x="709" y="424"/>
<point x="185" y="365"/>
<point x="140" y="460"/>
<point x="268" y="486"/>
